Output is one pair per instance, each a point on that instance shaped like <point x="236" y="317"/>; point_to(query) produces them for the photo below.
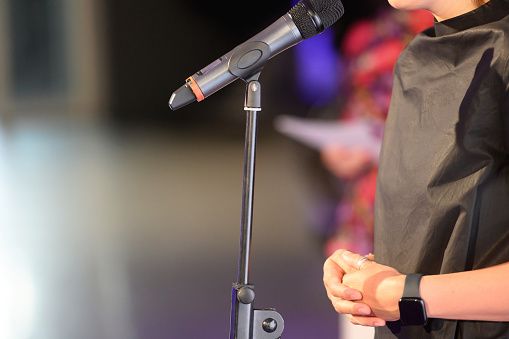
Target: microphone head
<point x="312" y="17"/>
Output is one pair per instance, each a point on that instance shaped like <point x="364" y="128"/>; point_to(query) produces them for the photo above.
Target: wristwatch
<point x="411" y="307"/>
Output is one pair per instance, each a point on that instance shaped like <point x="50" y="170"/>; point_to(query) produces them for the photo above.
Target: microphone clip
<point x="248" y="59"/>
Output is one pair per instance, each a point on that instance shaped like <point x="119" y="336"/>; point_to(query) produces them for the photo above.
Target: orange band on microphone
<point x="195" y="88"/>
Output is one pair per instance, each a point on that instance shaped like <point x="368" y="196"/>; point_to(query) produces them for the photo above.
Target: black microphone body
<point x="306" y="19"/>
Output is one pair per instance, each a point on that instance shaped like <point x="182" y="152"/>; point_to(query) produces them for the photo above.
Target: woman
<point x="442" y="204"/>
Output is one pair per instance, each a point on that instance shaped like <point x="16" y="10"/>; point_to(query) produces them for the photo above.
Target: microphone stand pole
<point x="247" y="322"/>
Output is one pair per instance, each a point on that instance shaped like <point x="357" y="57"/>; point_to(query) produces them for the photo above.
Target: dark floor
<point x="135" y="234"/>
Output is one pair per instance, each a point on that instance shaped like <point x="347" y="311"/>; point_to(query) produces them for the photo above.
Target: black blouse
<point x="442" y="201"/>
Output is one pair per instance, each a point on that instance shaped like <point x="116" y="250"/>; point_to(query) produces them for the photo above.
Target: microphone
<point x="304" y="20"/>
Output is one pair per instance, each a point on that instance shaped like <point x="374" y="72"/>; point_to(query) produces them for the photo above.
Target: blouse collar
<point x="493" y="10"/>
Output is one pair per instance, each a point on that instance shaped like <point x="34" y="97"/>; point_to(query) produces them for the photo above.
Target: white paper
<point x="317" y="134"/>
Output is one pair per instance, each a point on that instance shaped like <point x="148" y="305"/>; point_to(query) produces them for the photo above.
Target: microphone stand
<point x="247" y="322"/>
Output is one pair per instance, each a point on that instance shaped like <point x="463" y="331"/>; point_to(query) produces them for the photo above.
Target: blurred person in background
<point x="369" y="47"/>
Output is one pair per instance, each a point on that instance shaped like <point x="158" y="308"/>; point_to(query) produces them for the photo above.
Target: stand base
<point x="252" y="323"/>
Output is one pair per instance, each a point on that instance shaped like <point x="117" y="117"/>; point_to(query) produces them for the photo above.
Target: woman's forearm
<point x="474" y="295"/>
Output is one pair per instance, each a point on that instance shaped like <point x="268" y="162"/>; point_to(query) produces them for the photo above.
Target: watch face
<point x="412" y="311"/>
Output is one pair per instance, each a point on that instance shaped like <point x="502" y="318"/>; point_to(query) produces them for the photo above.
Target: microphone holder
<point x="247" y="322"/>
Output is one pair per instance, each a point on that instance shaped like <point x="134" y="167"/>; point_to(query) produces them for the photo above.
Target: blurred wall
<point x="52" y="59"/>
<point x="109" y="233"/>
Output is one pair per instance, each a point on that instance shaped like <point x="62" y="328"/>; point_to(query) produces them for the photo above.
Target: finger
<point x="366" y="320"/>
<point x="344" y="292"/>
<point x="353" y="260"/>
<point x="333" y="297"/>
<point x="333" y="281"/>
<point x="338" y="258"/>
<point x="349" y="307"/>
<point x="339" y="290"/>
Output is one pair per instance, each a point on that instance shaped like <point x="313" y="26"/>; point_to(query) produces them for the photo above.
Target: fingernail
<point x="379" y="323"/>
<point x="346" y="254"/>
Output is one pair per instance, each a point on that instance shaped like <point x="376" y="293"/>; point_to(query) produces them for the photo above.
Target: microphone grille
<point x="313" y="16"/>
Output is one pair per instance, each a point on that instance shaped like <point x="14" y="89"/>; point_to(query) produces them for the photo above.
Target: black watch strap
<point x="411" y="306"/>
<point x="412" y="283"/>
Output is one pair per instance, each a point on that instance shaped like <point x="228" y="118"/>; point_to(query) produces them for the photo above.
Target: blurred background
<point x="120" y="218"/>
